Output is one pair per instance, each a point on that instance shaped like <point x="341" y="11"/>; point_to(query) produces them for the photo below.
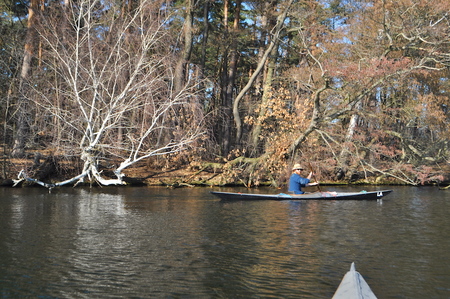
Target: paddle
<point x="314" y="176"/>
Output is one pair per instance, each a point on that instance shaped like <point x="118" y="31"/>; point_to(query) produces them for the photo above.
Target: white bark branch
<point x="113" y="75"/>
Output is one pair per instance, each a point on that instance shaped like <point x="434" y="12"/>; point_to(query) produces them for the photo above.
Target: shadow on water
<point x="169" y="243"/>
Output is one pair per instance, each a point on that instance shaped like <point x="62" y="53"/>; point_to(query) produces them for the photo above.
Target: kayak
<point x="353" y="286"/>
<point x="362" y="195"/>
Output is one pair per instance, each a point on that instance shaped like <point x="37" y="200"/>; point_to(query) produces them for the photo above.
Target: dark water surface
<point x="184" y="243"/>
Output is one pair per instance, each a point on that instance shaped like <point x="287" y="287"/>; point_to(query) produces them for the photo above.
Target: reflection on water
<point x="160" y="243"/>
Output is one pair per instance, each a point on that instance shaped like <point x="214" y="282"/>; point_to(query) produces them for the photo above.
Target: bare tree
<point x="116" y="74"/>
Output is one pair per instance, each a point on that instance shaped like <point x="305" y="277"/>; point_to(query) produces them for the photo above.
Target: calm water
<point x="184" y="243"/>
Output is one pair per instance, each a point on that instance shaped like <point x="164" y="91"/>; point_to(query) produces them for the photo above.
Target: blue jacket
<point x="296" y="183"/>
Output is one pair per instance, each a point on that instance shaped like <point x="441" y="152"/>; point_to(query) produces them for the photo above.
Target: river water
<point x="151" y="242"/>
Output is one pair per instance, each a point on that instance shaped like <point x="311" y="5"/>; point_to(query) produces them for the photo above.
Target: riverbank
<point x="53" y="169"/>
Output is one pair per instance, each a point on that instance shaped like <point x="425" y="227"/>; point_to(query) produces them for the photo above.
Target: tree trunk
<point x="205" y="36"/>
<point x="180" y="70"/>
<point x="231" y="75"/>
<point x="23" y="106"/>
<point x="227" y="77"/>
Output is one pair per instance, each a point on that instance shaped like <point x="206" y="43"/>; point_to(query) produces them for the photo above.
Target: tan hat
<point x="297" y="166"/>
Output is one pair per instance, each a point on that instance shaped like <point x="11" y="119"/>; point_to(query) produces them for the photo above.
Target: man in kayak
<point x="296" y="181"/>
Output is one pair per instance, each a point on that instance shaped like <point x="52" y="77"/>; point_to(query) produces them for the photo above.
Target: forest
<point x="355" y="90"/>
